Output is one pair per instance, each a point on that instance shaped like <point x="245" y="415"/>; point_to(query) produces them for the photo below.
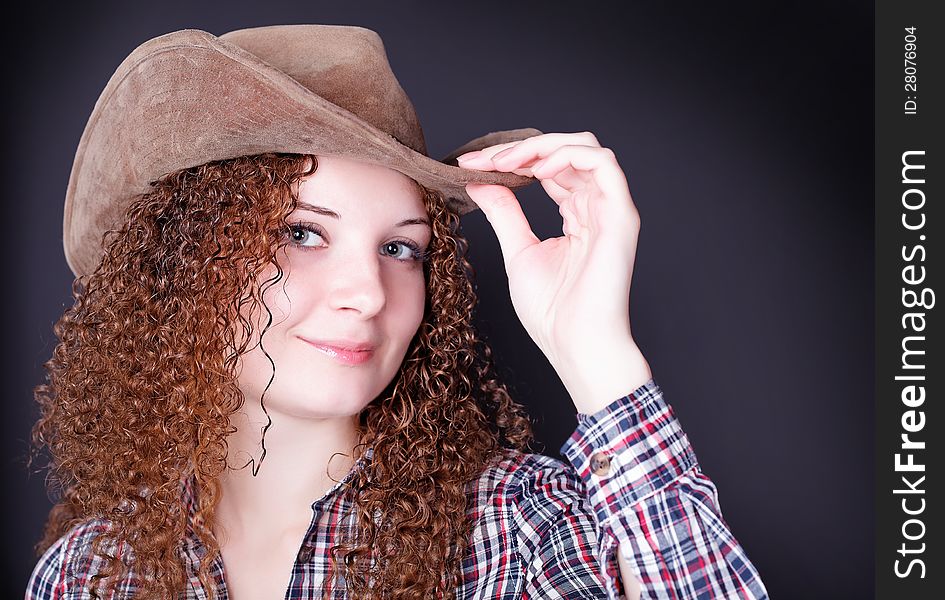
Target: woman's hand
<point x="571" y="292"/>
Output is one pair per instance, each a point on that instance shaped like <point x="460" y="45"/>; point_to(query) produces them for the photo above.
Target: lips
<point x="346" y="351"/>
<point x="350" y="345"/>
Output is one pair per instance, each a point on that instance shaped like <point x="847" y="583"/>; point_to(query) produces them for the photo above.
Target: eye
<point x="307" y="236"/>
<point x="413" y="251"/>
<point x="302" y="232"/>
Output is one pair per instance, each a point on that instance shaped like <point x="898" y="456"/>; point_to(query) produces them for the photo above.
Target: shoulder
<point x="65" y="569"/>
<point x="538" y="486"/>
<point x="535" y="505"/>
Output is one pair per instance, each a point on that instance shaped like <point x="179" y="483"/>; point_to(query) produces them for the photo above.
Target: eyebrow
<point x="321" y="210"/>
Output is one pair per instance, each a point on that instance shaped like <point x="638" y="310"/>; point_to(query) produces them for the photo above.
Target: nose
<point x="357" y="284"/>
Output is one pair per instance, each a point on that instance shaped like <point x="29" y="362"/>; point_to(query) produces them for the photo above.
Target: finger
<point x="517" y="156"/>
<point x="482" y="161"/>
<point x="570" y="224"/>
<point x="485" y="164"/>
<point x="491" y="151"/>
<point x="540" y="146"/>
<point x="556" y="191"/>
<point x="599" y="163"/>
<point x="504" y="213"/>
<point x="484" y="153"/>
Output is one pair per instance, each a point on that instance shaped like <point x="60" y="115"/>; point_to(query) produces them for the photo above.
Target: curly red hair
<point x="142" y="384"/>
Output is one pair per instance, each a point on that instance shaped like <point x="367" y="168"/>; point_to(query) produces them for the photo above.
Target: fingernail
<point x="501" y="155"/>
<point x="468" y="155"/>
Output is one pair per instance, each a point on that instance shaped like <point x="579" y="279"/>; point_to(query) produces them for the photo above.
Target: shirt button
<point x="600" y="464"/>
<point x="305" y="554"/>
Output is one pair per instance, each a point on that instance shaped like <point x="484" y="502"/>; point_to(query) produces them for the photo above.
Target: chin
<point x="322" y="406"/>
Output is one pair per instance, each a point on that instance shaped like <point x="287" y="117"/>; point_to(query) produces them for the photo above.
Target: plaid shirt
<point x="543" y="529"/>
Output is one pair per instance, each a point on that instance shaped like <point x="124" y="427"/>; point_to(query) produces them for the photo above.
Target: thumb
<point x="504" y="213"/>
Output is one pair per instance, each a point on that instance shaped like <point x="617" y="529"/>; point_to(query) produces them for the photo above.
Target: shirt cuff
<point x="629" y="450"/>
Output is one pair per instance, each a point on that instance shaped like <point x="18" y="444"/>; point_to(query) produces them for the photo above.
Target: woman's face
<point x="350" y="277"/>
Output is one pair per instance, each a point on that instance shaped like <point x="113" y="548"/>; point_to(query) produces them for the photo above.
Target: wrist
<point x="595" y="379"/>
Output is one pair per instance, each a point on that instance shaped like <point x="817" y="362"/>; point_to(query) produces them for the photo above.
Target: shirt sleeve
<point x="47" y="581"/>
<point x="654" y="505"/>
<point x="65" y="570"/>
<point x="556" y="533"/>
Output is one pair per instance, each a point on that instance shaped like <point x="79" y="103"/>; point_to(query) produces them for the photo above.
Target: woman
<point x="269" y="384"/>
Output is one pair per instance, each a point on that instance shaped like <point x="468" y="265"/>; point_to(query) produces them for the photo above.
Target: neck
<point x="301" y="465"/>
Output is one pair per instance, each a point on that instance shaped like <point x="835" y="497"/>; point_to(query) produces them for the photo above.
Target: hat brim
<point x="153" y="118"/>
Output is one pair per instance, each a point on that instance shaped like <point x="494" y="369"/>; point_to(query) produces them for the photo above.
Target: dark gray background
<point x="746" y="134"/>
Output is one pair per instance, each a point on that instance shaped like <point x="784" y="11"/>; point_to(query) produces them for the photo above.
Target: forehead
<point x="343" y="183"/>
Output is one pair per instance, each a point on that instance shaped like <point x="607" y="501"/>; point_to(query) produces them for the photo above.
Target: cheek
<point x="275" y="301"/>
<point x="407" y="302"/>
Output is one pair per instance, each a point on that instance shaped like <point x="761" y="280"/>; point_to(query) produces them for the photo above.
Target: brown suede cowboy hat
<point x="188" y="97"/>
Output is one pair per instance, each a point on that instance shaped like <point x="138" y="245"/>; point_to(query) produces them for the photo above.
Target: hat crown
<point x="187" y="98"/>
<point x="346" y="65"/>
